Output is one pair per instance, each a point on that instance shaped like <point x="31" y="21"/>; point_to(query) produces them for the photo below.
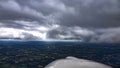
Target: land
<point x="37" y="54"/>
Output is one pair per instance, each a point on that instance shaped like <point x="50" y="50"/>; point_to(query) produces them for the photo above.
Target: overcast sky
<point x="84" y="20"/>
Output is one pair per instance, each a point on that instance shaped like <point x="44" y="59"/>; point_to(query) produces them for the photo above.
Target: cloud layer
<point x="84" y="20"/>
<point x="72" y="62"/>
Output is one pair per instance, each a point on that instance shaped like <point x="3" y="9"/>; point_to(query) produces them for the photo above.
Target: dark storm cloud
<point x="85" y="13"/>
<point x="85" y="20"/>
<point x="17" y="10"/>
<point x="93" y="13"/>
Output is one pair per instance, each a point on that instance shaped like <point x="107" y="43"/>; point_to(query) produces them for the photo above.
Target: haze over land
<point x="85" y="20"/>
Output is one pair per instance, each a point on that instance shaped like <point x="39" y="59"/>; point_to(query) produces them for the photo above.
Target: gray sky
<point x="85" y="20"/>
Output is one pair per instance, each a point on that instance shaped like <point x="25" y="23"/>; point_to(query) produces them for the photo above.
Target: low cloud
<point x="29" y="31"/>
<point x="109" y="35"/>
<point x="71" y="33"/>
<point x="11" y="33"/>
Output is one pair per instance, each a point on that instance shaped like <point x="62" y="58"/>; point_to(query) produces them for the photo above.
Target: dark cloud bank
<point x="84" y="20"/>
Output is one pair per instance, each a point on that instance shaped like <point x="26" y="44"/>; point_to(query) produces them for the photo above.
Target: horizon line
<point x="55" y="40"/>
